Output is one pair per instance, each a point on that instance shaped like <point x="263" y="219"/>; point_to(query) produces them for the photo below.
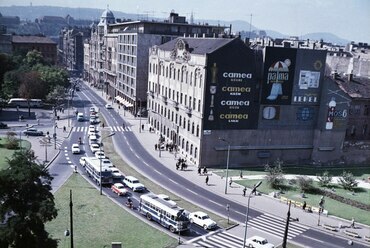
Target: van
<point x="133" y="183"/>
<point x="80" y="117"/>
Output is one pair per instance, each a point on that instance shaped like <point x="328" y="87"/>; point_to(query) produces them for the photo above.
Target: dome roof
<point x="107" y="14"/>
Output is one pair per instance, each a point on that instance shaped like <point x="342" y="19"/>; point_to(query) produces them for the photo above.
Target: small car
<point x="95" y="147"/>
<point x="99" y="154"/>
<point x="116" y="173"/>
<point x="202" y="219"/>
<point x="33" y="132"/>
<point x="76" y="149"/>
<point x="92" y="110"/>
<point x="108" y="106"/>
<point x="94" y="121"/>
<point x="107" y="163"/>
<point x="119" y="189"/>
<point x="258" y="242"/>
<point x="133" y="183"/>
<point x="92" y="131"/>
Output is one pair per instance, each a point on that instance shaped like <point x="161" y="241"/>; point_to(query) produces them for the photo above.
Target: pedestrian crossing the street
<point x="112" y="128"/>
<point x="267" y="223"/>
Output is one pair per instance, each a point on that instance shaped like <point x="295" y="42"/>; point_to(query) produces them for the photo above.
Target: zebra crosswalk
<point x="111" y="128"/>
<point x="267" y="223"/>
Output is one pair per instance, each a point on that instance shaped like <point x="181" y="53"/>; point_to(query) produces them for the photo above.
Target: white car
<point x="92" y="131"/>
<point x="167" y="199"/>
<point x="108" y="106"/>
<point x="76" y="149"/>
<point x="258" y="242"/>
<point x="95" y="147"/>
<point x="119" y="189"/>
<point x="202" y="219"/>
<point x="107" y="163"/>
<point x="100" y="154"/>
<point x="116" y="173"/>
<point x="93" y="139"/>
<point x="92" y="110"/>
<point x="133" y="183"/>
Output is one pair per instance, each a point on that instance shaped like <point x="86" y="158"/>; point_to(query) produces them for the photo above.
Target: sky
<point x="348" y="19"/>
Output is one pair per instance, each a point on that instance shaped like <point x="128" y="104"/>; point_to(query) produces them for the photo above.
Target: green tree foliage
<point x="53" y="76"/>
<point x="348" y="181"/>
<point x="275" y="177"/>
<point x="325" y="179"/>
<point x="11" y="84"/>
<point x="26" y="203"/>
<point x="7" y="64"/>
<point x="33" y="58"/>
<point x="57" y="95"/>
<point x="305" y="183"/>
<point x="11" y="141"/>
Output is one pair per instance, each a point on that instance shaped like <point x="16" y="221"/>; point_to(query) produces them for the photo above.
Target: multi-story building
<point x="71" y="48"/>
<point x="209" y="96"/>
<point x="127" y="82"/>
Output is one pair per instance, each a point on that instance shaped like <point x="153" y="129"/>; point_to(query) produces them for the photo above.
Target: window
<point x="188" y="125"/>
<point x="195" y="152"/>
<point x="197" y="131"/>
<point x="192" y="128"/>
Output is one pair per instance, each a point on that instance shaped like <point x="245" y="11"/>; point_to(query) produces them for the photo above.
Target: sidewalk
<point x="262" y="203"/>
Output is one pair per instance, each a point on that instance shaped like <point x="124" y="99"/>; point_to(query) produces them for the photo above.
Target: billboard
<point x="231" y="97"/>
<point x="278" y="76"/>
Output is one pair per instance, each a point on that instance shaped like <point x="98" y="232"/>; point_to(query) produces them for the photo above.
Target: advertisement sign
<point x="231" y="93"/>
<point x="278" y="75"/>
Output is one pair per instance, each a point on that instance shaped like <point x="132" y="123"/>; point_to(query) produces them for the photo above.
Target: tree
<point x="33" y="58"/>
<point x="31" y="87"/>
<point x="26" y="203"/>
<point x="347" y="181"/>
<point x="275" y="176"/>
<point x="324" y="179"/>
<point x="304" y="183"/>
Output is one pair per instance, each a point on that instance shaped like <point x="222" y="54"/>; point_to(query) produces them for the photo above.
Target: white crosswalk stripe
<point x="268" y="223"/>
<point x="111" y="128"/>
<point x="276" y="226"/>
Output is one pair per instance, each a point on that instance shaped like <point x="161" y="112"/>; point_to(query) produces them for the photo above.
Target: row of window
<point x="127" y="38"/>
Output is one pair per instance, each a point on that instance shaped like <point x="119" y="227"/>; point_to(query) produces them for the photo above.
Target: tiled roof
<point x="32" y="39"/>
<point x="197" y="45"/>
<point x="356" y="88"/>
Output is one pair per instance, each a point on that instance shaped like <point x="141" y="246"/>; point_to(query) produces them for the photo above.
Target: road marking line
<point x="173" y="181"/>
<point x="192" y="191"/>
<point x="215" y="202"/>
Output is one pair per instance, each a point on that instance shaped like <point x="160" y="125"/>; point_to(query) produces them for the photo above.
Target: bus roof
<point x="162" y="204"/>
<point x="95" y="162"/>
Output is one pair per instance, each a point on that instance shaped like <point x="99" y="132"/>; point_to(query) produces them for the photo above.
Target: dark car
<point x="3" y="125"/>
<point x="33" y="132"/>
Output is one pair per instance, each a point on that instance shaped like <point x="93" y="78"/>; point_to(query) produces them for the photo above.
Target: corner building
<point x="209" y="95"/>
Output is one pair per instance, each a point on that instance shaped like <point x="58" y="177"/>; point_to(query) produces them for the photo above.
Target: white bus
<point x="23" y="103"/>
<point x="92" y="167"/>
<point x="168" y="215"/>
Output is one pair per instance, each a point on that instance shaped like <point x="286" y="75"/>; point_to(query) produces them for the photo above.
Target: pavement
<point x="262" y="203"/>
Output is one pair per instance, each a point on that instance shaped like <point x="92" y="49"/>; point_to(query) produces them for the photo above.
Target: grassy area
<point x="98" y="221"/>
<point x="6" y="153"/>
<point x="127" y="170"/>
<point x="334" y="207"/>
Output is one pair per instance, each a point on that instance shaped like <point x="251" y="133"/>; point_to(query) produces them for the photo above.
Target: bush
<point x="275" y="177"/>
<point x="12" y="141"/>
<point x="325" y="179"/>
<point x="305" y="183"/>
<point x="347" y="181"/>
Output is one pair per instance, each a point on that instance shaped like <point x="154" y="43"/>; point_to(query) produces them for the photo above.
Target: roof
<point x="197" y="45"/>
<point x="358" y="87"/>
<point x="32" y="39"/>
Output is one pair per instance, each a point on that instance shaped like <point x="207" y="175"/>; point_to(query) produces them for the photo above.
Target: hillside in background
<point x="30" y="13"/>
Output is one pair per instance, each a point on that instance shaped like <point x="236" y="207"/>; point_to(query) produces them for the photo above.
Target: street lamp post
<point x="246" y="218"/>
<point x="228" y="213"/>
<point x="227" y="162"/>
<point x="140" y="115"/>
<point x="101" y="143"/>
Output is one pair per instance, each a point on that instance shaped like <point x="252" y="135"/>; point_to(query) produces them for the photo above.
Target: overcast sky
<point x="349" y="19"/>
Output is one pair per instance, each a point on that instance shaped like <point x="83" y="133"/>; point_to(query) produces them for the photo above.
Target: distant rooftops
<point x="32" y="39"/>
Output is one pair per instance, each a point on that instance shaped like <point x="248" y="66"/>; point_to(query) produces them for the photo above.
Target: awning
<point x="123" y="101"/>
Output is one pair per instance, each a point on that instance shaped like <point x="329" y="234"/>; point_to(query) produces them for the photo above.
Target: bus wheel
<point x="148" y="216"/>
<point x="172" y="229"/>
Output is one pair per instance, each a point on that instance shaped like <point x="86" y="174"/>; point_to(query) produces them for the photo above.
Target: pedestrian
<point x="199" y="170"/>
<point x="103" y="125"/>
<point x="58" y="117"/>
<point x="254" y="190"/>
<point x="204" y="170"/>
<point x="304" y="205"/>
<point x="353" y="223"/>
<point x="230" y="182"/>
<point x="155" y="146"/>
<point x="207" y="179"/>
<point x="64" y="128"/>
<point x="241" y="174"/>
<point x="142" y="126"/>
<point x="244" y="191"/>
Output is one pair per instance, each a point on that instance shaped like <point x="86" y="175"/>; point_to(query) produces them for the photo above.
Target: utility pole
<point x="71" y="216"/>
<point x="286" y="227"/>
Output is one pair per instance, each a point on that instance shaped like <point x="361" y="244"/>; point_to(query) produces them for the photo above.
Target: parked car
<point x="76" y="149"/>
<point x="95" y="147"/>
<point x="119" y="189"/>
<point x="133" y="183"/>
<point x="258" y="242"/>
<point x="94" y="120"/>
<point x="33" y="132"/>
<point x="93" y="139"/>
<point x="92" y="110"/>
<point x="202" y="219"/>
<point x="108" y="106"/>
<point x="92" y="132"/>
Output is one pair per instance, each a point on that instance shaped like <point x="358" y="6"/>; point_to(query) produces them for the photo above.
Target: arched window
<point x="178" y="75"/>
<point x="188" y="125"/>
<point x="166" y="71"/>
<point x="187" y="146"/>
<point x="195" y="152"/>
<point x="183" y="143"/>
<point x="191" y="149"/>
<point x="192" y="128"/>
<point x="197" y="131"/>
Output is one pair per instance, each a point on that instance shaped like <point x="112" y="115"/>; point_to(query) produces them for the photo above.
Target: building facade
<point x="211" y="95"/>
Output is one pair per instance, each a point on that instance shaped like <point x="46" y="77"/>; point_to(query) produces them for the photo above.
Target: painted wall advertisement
<point x="231" y="98"/>
<point x="278" y="76"/>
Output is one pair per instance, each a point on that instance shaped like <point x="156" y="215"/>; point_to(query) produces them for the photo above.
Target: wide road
<point x="127" y="145"/>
